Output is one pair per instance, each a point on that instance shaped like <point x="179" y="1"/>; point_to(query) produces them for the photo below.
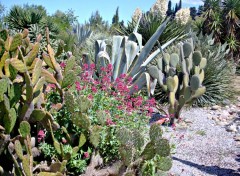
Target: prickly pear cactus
<point x="135" y="151"/>
<point x="182" y="85"/>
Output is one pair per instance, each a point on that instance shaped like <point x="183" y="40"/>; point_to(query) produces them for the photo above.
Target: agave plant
<point x="129" y="56"/>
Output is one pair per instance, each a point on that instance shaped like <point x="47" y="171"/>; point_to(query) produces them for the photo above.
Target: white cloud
<point x="189" y="2"/>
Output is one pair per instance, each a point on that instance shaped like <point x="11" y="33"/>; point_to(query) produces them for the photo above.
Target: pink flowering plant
<point x="109" y="98"/>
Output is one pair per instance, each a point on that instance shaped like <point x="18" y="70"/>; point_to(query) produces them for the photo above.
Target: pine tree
<point x="115" y="19"/>
<point x="169" y="11"/>
<point x="176" y="8"/>
<point x="180" y="5"/>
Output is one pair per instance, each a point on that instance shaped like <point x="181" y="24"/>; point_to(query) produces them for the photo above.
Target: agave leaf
<point x="116" y="46"/>
<point x="148" y="47"/>
<point x="140" y="82"/>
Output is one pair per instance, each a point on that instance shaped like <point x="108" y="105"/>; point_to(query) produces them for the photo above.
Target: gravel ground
<point x="202" y="148"/>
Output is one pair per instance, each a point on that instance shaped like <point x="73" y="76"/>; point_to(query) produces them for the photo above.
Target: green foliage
<point x="149" y="24"/>
<point x="219" y="14"/>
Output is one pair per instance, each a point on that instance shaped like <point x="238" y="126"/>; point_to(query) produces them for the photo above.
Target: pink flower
<point x="62" y="64"/>
<point x="85" y="66"/>
<point x="53" y="86"/>
<point x="64" y="141"/>
<point x="92" y="66"/>
<point x="77" y="84"/>
<point x="151" y="102"/>
<point x="94" y="89"/>
<point x="135" y="87"/>
<point x="109" y="67"/>
<point x="86" y="155"/>
<point x="41" y="135"/>
<point x="90" y="96"/>
<point x="109" y="122"/>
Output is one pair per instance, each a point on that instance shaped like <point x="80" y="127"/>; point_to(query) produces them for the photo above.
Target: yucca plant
<point x="218" y="72"/>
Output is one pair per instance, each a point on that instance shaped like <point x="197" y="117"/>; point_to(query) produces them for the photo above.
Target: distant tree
<point x="176" y="8"/>
<point x="115" y="19"/>
<point x="95" y="19"/>
<point x="2" y="10"/>
<point x="200" y="10"/>
<point x="169" y="11"/>
<point x="193" y="12"/>
<point x="180" y="5"/>
<point x="64" y="20"/>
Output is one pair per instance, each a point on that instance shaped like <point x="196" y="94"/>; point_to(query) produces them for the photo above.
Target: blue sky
<point x="84" y="9"/>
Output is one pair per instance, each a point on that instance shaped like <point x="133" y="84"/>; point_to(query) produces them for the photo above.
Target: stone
<point x="215" y="107"/>
<point x="226" y="102"/>
<point x="221" y="123"/>
<point x="232" y="128"/>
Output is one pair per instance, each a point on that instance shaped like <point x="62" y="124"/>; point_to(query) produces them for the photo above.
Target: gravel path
<point x="202" y="148"/>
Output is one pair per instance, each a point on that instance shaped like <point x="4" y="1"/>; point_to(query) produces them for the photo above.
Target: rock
<point x="236" y="138"/>
<point x="232" y="128"/>
<point x="221" y="123"/>
<point x="230" y="117"/>
<point x="227" y="107"/>
<point x="215" y="107"/>
<point x="33" y="142"/>
<point x="224" y="115"/>
<point x="226" y="102"/>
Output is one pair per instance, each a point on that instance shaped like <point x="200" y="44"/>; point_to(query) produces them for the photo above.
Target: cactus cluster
<point x="78" y="107"/>
<point x="134" y="151"/>
<point x="24" y="75"/>
<point x="180" y="74"/>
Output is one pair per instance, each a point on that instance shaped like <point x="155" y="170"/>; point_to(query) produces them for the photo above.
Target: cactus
<point x="182" y="85"/>
<point x="18" y="149"/>
<point x="134" y="152"/>
<point x="164" y="163"/>
<point x="81" y="120"/>
<point x="10" y="120"/>
<point x="68" y="79"/>
<point x="95" y="135"/>
<point x="155" y="132"/>
<point x="24" y="129"/>
<point x="16" y="41"/>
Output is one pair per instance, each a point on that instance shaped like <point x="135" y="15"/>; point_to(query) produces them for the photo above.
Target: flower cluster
<point x="137" y="13"/>
<point x="160" y="7"/>
<point x="182" y="16"/>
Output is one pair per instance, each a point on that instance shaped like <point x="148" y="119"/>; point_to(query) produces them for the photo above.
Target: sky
<point x="83" y="9"/>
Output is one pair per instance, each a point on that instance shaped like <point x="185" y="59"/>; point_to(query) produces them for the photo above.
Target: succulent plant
<point x="134" y="156"/>
<point x="180" y="73"/>
<point x="129" y="56"/>
<point x="23" y="79"/>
